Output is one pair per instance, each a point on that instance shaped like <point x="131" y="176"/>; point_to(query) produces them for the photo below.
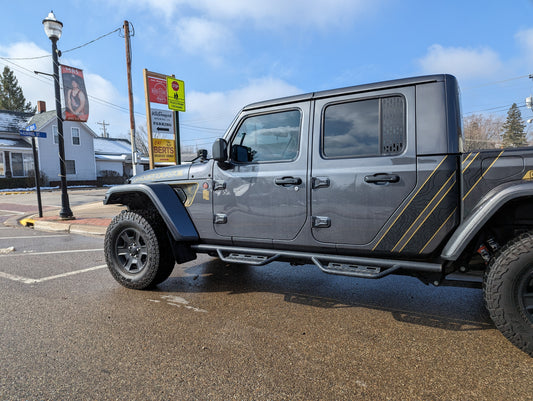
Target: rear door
<point x="363" y="164"/>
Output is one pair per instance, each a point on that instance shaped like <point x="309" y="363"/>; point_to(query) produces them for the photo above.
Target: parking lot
<point x="218" y="332"/>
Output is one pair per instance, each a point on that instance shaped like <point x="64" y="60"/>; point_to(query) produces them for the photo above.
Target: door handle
<point x="382" y="178"/>
<point x="287" y="181"/>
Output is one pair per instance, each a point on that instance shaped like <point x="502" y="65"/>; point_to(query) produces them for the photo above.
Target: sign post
<point x="30" y="131"/>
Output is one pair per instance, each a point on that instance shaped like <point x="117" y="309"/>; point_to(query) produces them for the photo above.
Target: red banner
<point x="157" y="90"/>
<point x="75" y="94"/>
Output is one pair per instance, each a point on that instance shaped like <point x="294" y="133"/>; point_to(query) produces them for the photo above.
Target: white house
<point x="16" y="158"/>
<point x="79" y="148"/>
<point x="113" y="156"/>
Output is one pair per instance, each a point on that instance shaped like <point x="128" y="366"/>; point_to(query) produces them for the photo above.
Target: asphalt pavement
<point x="89" y="219"/>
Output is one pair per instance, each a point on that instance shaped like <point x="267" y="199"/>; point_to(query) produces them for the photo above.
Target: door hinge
<point x="321" y="222"/>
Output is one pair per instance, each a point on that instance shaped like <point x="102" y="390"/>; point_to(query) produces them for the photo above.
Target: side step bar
<point x="332" y="264"/>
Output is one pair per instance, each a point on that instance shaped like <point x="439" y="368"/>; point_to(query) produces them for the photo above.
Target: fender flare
<point x="166" y="202"/>
<point x="484" y="210"/>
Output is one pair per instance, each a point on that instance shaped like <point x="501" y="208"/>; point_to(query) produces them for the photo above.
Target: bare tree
<point x="141" y="139"/>
<point x="482" y="131"/>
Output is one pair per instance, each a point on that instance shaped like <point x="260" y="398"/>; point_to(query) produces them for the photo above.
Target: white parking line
<point x="51" y="252"/>
<point x="27" y="280"/>
<point x="35" y="236"/>
<point x="12" y="211"/>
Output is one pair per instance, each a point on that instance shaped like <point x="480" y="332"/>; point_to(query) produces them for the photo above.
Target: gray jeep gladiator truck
<point x="364" y="181"/>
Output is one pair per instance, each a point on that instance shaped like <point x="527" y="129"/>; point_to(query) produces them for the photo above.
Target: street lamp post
<point x="53" y="28"/>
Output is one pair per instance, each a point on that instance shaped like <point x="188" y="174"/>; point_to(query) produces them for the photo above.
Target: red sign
<point x="75" y="94"/>
<point x="175" y="86"/>
<point x="157" y="90"/>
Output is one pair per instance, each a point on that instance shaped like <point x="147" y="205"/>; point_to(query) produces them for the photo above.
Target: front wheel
<point x="137" y="250"/>
<point x="508" y="288"/>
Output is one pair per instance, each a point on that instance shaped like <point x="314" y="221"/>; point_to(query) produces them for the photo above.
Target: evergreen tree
<point x="513" y="129"/>
<point x="11" y="96"/>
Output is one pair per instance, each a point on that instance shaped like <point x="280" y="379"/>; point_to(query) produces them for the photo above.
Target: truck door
<point x="363" y="164"/>
<point x="264" y="197"/>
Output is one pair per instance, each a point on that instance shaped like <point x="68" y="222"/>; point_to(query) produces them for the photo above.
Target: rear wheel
<point x="508" y="288"/>
<point x="137" y="249"/>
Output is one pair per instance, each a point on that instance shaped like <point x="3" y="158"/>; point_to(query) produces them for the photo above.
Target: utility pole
<point x="104" y="124"/>
<point x="130" y="96"/>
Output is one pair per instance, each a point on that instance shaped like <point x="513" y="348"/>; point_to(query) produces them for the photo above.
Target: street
<point x="19" y="204"/>
<point x="216" y="332"/>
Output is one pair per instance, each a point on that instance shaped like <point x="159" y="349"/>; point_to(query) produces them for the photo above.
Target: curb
<point x="69" y="227"/>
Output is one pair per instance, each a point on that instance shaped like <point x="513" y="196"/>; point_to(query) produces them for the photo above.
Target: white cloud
<point x="266" y="14"/>
<point x="202" y="37"/>
<point x="525" y="39"/>
<point x="275" y="13"/>
<point x="462" y="62"/>
<point x="216" y="110"/>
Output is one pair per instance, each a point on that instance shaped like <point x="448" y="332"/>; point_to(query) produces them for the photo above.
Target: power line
<point x="494" y="83"/>
<point x="64" y="51"/>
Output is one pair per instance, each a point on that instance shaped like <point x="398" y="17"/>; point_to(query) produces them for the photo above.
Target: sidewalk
<point x="89" y="219"/>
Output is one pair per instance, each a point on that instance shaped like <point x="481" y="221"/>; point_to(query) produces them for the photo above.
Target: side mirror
<point x="220" y="150"/>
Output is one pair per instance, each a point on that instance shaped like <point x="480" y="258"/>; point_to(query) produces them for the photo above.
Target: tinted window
<point x="364" y="128"/>
<point x="270" y="137"/>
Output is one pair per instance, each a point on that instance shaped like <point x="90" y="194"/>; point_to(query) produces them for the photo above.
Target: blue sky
<point x="233" y="52"/>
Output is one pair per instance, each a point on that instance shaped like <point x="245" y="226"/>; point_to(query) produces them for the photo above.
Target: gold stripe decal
<point x="483" y="175"/>
<point x="408" y="203"/>
<point x="436" y="232"/>
<point x="471" y="161"/>
<point x="423" y="216"/>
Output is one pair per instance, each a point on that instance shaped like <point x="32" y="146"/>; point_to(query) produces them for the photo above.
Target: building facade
<point x="16" y="156"/>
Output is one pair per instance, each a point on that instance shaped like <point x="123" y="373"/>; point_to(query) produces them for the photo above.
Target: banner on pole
<point x="75" y="94"/>
<point x="157" y="92"/>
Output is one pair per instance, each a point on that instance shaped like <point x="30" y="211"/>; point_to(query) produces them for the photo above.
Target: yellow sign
<point x="176" y="94"/>
<point x="164" y="151"/>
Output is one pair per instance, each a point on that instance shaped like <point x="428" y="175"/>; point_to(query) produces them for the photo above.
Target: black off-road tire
<point x="508" y="288"/>
<point x="137" y="249"/>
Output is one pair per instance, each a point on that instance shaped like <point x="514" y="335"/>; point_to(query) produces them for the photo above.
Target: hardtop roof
<point x="351" y="89"/>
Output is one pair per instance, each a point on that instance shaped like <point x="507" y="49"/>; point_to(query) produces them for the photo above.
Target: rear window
<point x="371" y="127"/>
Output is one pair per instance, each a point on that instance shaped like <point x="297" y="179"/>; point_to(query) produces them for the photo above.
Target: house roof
<point x="13" y="142"/>
<point x="41" y="119"/>
<point x="13" y="121"/>
<point x="112" y="146"/>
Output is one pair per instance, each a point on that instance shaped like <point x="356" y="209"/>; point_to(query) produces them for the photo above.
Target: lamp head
<point x="52" y="27"/>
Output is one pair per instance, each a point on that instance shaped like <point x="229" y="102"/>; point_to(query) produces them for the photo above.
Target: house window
<point x="56" y="135"/>
<point x="70" y="166"/>
<point x="75" y="136"/>
<point x="21" y="164"/>
<point x="2" y="166"/>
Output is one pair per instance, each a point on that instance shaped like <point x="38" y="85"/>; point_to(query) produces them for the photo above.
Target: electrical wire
<point x="64" y="51"/>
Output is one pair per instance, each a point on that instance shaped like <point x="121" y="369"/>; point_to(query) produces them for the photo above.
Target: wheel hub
<point x="133" y="249"/>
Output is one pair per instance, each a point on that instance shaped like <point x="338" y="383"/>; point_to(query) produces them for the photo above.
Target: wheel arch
<point x="161" y="198"/>
<point x="498" y="203"/>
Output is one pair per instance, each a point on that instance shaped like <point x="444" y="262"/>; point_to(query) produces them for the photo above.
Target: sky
<point x="233" y="52"/>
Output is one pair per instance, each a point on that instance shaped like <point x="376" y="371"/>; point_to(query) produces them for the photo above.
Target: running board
<point x="352" y="270"/>
<point x="254" y="260"/>
<point x="332" y="264"/>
